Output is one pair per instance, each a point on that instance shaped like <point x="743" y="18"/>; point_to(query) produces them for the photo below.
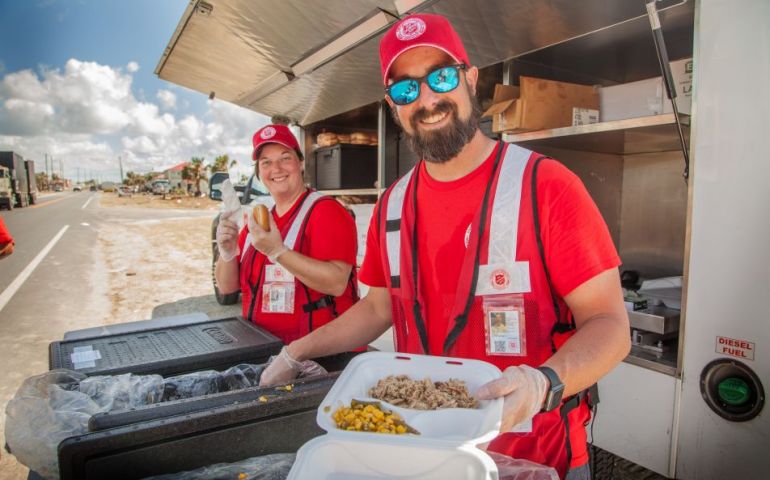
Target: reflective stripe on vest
<point x="291" y="236"/>
<point x="513" y="276"/>
<point x="393" y="227"/>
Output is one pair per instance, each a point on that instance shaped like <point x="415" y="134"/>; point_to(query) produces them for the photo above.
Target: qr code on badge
<point x="499" y="346"/>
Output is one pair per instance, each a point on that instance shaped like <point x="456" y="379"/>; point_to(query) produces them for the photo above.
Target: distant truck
<point x="6" y="192"/>
<point x="29" y="165"/>
<point x="161" y="187"/>
<point x="18" y="174"/>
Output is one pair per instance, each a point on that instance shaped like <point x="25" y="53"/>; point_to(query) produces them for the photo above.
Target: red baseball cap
<point x="420" y="30"/>
<point x="273" y="134"/>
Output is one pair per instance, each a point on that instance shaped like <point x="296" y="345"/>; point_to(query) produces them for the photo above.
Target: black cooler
<point x="188" y="433"/>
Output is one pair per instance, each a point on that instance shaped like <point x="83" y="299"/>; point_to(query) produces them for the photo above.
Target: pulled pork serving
<point x="423" y="395"/>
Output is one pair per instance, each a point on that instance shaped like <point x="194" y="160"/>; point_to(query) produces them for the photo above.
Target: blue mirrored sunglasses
<point x="440" y="80"/>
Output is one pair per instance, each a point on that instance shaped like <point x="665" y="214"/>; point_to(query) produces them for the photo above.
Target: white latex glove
<point x="281" y="369"/>
<point x="523" y="388"/>
<point x="227" y="237"/>
<point x="269" y="243"/>
<point x="228" y="227"/>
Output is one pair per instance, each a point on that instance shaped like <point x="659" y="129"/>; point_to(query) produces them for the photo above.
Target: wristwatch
<point x="553" y="397"/>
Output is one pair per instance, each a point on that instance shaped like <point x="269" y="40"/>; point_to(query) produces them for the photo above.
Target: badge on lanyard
<point x="504" y="323"/>
<point x="278" y="290"/>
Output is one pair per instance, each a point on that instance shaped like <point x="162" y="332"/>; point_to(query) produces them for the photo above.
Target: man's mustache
<point x="444" y="106"/>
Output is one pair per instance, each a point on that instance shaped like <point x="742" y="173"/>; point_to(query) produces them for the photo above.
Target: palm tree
<point x="194" y="171"/>
<point x="222" y="164"/>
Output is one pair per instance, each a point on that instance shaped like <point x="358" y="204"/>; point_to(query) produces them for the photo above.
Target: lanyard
<point x="255" y="287"/>
<point x="462" y="319"/>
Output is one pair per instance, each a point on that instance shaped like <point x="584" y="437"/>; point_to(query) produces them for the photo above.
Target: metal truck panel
<point x="650" y="396"/>
<point x="29" y="166"/>
<point x="726" y="294"/>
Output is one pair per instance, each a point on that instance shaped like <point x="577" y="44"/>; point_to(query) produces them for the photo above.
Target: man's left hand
<point x="269" y="243"/>
<point x="523" y="388"/>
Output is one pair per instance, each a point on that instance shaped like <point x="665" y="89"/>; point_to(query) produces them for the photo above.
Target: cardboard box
<point x="539" y="104"/>
<point x="647" y="97"/>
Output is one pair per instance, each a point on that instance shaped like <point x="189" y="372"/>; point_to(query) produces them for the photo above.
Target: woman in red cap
<point x="299" y="274"/>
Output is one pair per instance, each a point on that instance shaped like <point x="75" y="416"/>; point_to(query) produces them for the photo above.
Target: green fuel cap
<point x="733" y="391"/>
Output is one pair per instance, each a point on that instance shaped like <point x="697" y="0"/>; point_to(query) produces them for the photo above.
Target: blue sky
<point x="77" y="83"/>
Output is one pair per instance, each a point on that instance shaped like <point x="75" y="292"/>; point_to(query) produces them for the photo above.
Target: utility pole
<point x="120" y="162"/>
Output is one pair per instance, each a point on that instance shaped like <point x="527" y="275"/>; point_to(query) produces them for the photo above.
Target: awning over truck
<point x="309" y="60"/>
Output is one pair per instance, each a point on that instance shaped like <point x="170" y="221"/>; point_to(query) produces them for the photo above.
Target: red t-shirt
<point x="575" y="237"/>
<point x="330" y="234"/>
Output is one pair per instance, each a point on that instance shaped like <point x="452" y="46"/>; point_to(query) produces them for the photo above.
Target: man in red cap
<point x="300" y="273"/>
<point x="489" y="251"/>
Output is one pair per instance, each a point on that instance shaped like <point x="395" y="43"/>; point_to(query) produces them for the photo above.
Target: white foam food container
<point x="332" y="457"/>
<point x="446" y="445"/>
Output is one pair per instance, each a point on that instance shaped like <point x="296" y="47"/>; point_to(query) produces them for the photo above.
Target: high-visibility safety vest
<point x="493" y="264"/>
<point x="301" y="321"/>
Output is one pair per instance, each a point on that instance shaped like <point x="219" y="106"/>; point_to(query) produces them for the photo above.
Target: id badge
<point x="278" y="290"/>
<point x="504" y="325"/>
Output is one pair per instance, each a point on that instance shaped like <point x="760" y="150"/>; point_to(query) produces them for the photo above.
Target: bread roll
<point x="261" y="213"/>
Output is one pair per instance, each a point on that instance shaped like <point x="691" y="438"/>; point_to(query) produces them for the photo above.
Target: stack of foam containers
<point x="446" y="447"/>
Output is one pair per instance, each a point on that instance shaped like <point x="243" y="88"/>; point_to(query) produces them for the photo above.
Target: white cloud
<point x="87" y="114"/>
<point x="167" y="99"/>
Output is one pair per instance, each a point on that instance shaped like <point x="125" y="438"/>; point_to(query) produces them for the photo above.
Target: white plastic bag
<point x="519" y="469"/>
<point x="56" y="405"/>
<point x="267" y="467"/>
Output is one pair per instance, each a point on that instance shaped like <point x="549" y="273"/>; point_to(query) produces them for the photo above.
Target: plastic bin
<point x="192" y="433"/>
<point x="166" y="348"/>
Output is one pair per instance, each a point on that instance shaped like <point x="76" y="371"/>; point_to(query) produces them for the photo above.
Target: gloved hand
<point x="269" y="243"/>
<point x="227" y="236"/>
<point x="524" y="389"/>
<point x="281" y="369"/>
<point x="228" y="227"/>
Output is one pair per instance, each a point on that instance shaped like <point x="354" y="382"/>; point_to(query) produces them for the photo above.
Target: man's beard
<point x="441" y="145"/>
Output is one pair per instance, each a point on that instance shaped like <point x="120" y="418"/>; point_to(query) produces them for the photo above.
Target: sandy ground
<point x="144" y="200"/>
<point x="147" y="269"/>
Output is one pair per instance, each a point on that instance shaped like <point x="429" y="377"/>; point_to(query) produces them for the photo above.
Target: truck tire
<point x="222" y="298"/>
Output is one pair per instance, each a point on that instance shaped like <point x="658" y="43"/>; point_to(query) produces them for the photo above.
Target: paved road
<point x="54" y="282"/>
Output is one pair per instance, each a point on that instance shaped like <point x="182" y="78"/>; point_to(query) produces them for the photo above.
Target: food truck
<point x="681" y="184"/>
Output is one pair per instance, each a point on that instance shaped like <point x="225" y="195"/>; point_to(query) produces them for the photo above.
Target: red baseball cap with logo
<point x="420" y="30"/>
<point x="273" y="134"/>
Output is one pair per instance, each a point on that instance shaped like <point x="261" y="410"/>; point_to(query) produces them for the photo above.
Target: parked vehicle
<point x="161" y="187"/>
<point x="58" y="187"/>
<point x="6" y="192"/>
<point x="18" y="174"/>
<point x="124" y="191"/>
<point x="29" y="165"/>
<point x="108" y="186"/>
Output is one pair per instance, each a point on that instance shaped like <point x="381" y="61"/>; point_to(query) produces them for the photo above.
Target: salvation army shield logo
<point x="268" y="132"/>
<point x="410" y="29"/>
<point x="500" y="279"/>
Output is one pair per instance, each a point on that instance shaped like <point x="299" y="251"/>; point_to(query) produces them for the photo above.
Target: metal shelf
<point x="620" y="137"/>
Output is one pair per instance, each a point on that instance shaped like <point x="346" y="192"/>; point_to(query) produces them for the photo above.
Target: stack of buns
<point x="327" y="139"/>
